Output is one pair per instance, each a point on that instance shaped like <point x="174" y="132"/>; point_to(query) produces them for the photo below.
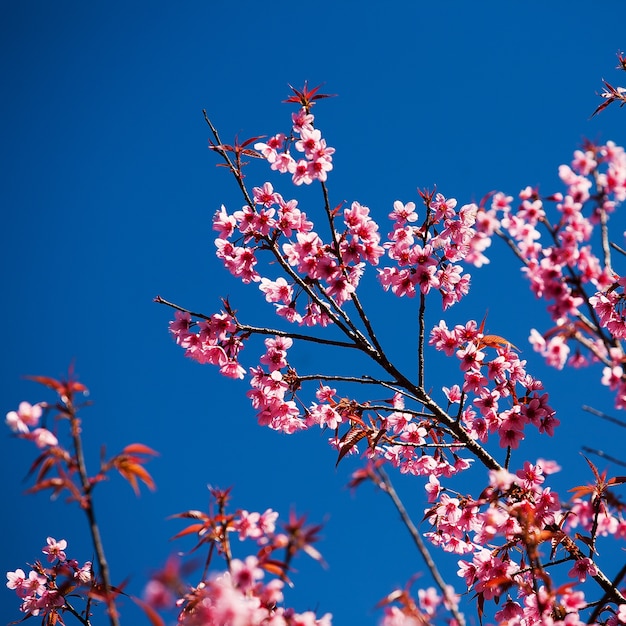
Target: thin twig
<point x="618" y="248"/>
<point x="604" y="416"/>
<point x="226" y="158"/>
<point x="389" y="489"/>
<point x="365" y="380"/>
<point x="283" y="333"/>
<point x="603" y="455"/>
<point x="262" y="331"/>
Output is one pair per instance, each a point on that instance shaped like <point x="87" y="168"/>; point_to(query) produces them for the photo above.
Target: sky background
<point x="108" y="191"/>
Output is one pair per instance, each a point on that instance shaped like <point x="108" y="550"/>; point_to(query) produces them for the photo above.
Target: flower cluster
<point x="317" y="158"/>
<point x="515" y="516"/>
<point x="240" y="594"/>
<point x="43" y="590"/>
<point x="427" y="256"/>
<point x="582" y="289"/>
<point x="320" y="265"/>
<point x="495" y="385"/>
<point x="214" y="342"/>
<point x="402" y="610"/>
<point x="26" y="417"/>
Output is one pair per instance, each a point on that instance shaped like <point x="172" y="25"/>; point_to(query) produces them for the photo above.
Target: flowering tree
<point x="526" y="554"/>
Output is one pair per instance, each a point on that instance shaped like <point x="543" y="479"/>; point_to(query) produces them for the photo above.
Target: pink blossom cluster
<point x="332" y="270"/>
<point x="270" y="390"/>
<point x="26" y="417"/>
<point x="215" y="341"/>
<point x="42" y="590"/>
<point x="502" y="530"/>
<point x="609" y="307"/>
<point x="460" y="525"/>
<point x="316" y="159"/>
<point x="426" y="256"/>
<point x="240" y="594"/>
<point x="583" y="290"/>
<point x="512" y="517"/>
<point x="495" y="386"/>
<point x="402" y="610"/>
<point x="608" y="521"/>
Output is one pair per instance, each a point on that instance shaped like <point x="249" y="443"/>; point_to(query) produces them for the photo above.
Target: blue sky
<point x="108" y="190"/>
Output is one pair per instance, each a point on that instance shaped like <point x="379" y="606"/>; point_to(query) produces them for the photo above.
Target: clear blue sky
<point x="108" y="190"/>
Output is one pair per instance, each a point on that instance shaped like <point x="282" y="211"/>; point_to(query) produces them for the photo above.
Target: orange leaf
<point x="581" y="491"/>
<point x="139" y="448"/>
<point x="274" y="567"/>
<point x="151" y="614"/>
<point x="191" y="529"/>
<point x="56" y="484"/>
<point x="131" y="471"/>
<point x="493" y="341"/>
<point x="48" y="382"/>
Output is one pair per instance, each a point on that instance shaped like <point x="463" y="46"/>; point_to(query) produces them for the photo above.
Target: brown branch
<point x="261" y="331"/>
<point x="88" y="507"/>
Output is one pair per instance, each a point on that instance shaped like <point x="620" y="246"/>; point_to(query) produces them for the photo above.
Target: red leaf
<point x="65" y="389"/>
<point x="47" y="382"/>
<point x="348" y="441"/>
<point x="306" y="97"/>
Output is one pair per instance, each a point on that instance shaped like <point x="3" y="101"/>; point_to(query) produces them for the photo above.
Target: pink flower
<point x="471" y="357"/>
<point x="443" y="208"/>
<point x="16" y="580"/>
<point x="264" y="195"/>
<point x="85" y="573"/>
<point x="276" y="291"/>
<point x="232" y="369"/>
<point x="301" y="172"/>
<point x="269" y="149"/>
<point x="403" y="213"/>
<point x="25" y="416"/>
<point x="324" y="415"/>
<point x="433" y="488"/>
<point x="267" y="522"/>
<point x="583" y="568"/>
<point x="42" y="437"/>
<point x="224" y="223"/>
<point x="429" y="600"/>
<point x="157" y="595"/>
<point x="453" y="394"/>
<point x="245" y="573"/>
<point x="55" y="549"/>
